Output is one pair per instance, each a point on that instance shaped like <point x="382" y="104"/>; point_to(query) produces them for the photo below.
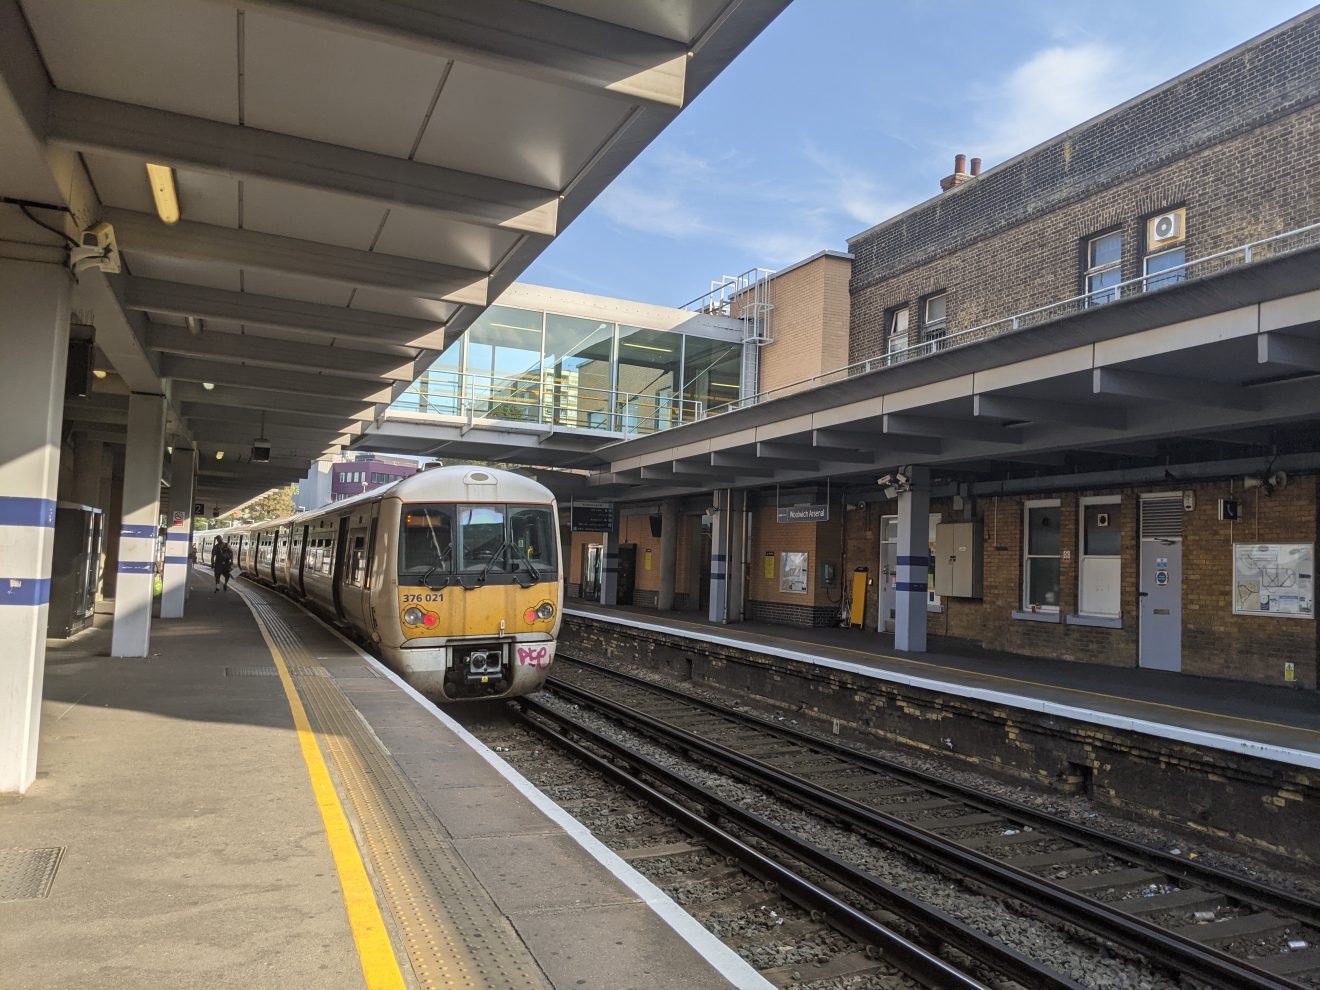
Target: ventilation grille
<point x="1161" y="518"/>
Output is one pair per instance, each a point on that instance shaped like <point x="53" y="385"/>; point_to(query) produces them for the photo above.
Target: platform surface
<point x="194" y="852"/>
<point x="1273" y="722"/>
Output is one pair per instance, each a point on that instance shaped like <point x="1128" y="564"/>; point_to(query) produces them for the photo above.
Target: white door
<point x="888" y="573"/>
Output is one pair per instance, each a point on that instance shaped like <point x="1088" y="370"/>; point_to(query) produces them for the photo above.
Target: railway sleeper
<point x="1190" y="899"/>
<point x="747" y="900"/>
<point x="989" y="844"/>
<point x="1063" y="857"/>
<point x="836" y="968"/>
<point x="933" y="824"/>
<point x="663" y="851"/>
<point x="1133" y="878"/>
<point x="1291" y="963"/>
<point x="1242" y="926"/>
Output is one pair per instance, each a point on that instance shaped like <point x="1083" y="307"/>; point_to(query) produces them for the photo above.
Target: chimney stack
<point x="959" y="174"/>
<point x="976" y="167"/>
<point x="959" y="164"/>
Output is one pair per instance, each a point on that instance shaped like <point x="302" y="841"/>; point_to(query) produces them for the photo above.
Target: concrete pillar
<point x="913" y="563"/>
<point x="719" y="556"/>
<point x="34" y="339"/>
<point x="668" y="554"/>
<point x="183" y="466"/>
<point x="609" y="571"/>
<point x="736" y="566"/>
<point x="112" y="497"/>
<point x="141" y="520"/>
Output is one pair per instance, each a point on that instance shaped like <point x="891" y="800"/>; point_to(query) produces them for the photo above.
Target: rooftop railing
<point x="1244" y="254"/>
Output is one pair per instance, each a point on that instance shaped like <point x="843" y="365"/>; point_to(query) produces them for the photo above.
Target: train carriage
<point x="453" y="576"/>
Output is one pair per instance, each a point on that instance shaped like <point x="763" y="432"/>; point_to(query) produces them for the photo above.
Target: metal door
<point x="1160" y="592"/>
<point x="1161" y="604"/>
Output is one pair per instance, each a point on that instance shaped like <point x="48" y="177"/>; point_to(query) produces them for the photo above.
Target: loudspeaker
<point x="78" y="371"/>
<point x="655" y="525"/>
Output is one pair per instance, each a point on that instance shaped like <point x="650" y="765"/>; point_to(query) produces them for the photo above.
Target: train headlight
<point x="545" y="611"/>
<point x="413" y="616"/>
<point x="429" y="619"/>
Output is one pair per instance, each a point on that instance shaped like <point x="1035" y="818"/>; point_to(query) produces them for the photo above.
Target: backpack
<point x="226" y="556"/>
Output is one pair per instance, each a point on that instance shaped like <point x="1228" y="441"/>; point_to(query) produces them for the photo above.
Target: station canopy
<point x="355" y="181"/>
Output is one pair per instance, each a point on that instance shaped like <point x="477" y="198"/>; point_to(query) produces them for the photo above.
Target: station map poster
<point x="793" y="573"/>
<point x="1274" y="579"/>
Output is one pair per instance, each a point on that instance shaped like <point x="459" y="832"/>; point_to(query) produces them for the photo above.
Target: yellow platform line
<point x="380" y="967"/>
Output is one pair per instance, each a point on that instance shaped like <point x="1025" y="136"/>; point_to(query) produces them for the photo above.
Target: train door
<point x="1159" y="631"/>
<point x="337" y="574"/>
<point x="370" y="578"/>
<point x="592" y="557"/>
<point x="300" y="559"/>
<point x="353" y="575"/>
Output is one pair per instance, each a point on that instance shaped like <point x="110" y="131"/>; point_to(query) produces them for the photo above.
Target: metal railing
<point x="1235" y="257"/>
<point x="544" y="400"/>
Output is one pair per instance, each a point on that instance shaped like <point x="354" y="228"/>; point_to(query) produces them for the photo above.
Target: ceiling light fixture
<point x="161" y="178"/>
<point x="99" y="373"/>
<point x="647" y="347"/>
<point x="208" y="385"/>
<point x="219" y="455"/>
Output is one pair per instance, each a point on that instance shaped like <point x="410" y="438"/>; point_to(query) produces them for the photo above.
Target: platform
<point x="260" y="804"/>
<point x="1275" y="723"/>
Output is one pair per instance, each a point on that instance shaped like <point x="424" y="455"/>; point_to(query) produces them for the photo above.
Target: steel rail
<point x="1241" y="888"/>
<point x="940" y="926"/>
<point x="1165" y="947"/>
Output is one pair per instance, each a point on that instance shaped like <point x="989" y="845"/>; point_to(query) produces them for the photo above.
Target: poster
<point x="770" y="564"/>
<point x="1274" y="579"/>
<point x="793" y="573"/>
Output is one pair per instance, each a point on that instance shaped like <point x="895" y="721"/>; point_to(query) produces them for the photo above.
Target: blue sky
<point x="845" y="112"/>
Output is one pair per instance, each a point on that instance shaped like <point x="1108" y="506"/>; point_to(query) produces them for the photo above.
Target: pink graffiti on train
<point x="534" y="656"/>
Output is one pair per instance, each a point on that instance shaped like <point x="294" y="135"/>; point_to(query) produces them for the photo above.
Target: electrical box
<point x="827" y="574"/>
<point x="958" y="560"/>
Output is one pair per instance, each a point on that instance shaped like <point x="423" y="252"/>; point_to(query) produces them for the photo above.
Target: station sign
<point x="199" y="508"/>
<point x="591" y="517"/>
<point x="803" y="513"/>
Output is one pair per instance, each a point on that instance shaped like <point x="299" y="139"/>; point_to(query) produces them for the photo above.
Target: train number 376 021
<point x="434" y="597"/>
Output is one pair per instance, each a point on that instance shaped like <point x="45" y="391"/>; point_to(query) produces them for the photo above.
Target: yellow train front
<point x="452" y="576"/>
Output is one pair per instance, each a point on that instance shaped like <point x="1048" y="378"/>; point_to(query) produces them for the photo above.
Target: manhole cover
<point x="28" y="873"/>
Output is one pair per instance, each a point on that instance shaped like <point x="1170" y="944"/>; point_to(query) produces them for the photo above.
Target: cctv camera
<point x="902" y="478"/>
<point x="97" y="249"/>
<point x="884" y="479"/>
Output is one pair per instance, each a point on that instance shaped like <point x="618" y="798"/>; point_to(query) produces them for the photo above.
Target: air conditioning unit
<point x="1166" y="228"/>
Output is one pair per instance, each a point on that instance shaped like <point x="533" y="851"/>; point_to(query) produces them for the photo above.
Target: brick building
<point x="1100" y="358"/>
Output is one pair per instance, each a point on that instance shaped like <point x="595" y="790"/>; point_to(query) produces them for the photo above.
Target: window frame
<point x="1091" y="270"/>
<point x="932" y="332"/>
<point x="1028" y="556"/>
<point x="1082" y="556"/>
<point x="1167" y="277"/>
<point x="891" y="317"/>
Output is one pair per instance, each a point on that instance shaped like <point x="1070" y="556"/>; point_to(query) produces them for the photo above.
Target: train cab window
<point x="531" y="531"/>
<point x="427" y="542"/>
<point x="481" y="538"/>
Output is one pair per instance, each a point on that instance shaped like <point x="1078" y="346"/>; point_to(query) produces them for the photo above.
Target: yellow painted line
<point x="1007" y="680"/>
<point x="380" y="967"/>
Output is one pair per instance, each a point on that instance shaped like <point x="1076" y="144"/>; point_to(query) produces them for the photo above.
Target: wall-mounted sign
<point x="199" y="508"/>
<point x="1274" y="579"/>
<point x="803" y="513"/>
<point x="770" y="564"/>
<point x="646" y="559"/>
<point x="591" y="517"/>
<point x="793" y="573"/>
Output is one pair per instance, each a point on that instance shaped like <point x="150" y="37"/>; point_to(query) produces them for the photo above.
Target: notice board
<point x="1274" y="579"/>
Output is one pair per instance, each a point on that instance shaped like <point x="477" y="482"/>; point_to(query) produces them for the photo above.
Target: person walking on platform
<point x="222" y="562"/>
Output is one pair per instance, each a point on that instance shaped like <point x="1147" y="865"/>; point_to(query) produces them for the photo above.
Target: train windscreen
<point x="487" y="538"/>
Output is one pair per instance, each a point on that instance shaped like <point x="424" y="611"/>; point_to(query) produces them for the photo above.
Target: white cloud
<point x="1054" y="90"/>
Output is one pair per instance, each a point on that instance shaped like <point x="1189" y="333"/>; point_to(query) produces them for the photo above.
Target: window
<point x="1162" y="270"/>
<point x="1100" y="567"/>
<point x="712" y="373"/>
<point x="427" y="541"/>
<point x="576" y="368"/>
<point x="1104" y="268"/>
<point x="650" y="373"/>
<point x="1040" y="566"/>
<point x="504" y="363"/>
<point x="357" y="554"/>
<point x="495" y="539"/>
<point x="934" y="317"/>
<point x="897" y="339"/>
<point x="532" y="534"/>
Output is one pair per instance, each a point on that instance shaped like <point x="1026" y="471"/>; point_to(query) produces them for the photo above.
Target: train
<point x="450" y="576"/>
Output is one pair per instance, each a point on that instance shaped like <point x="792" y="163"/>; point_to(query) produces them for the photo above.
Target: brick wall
<point x="809" y="323"/>
<point x="1234" y="144"/>
<point x="820" y="541"/>
<point x="1215" y="642"/>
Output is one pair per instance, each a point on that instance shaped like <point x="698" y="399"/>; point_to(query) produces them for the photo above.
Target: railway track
<point x="1221" y="929"/>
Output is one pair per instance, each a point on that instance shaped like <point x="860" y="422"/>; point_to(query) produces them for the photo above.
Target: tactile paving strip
<point x="256" y="670"/>
<point x="26" y="874"/>
<point x="454" y="935"/>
